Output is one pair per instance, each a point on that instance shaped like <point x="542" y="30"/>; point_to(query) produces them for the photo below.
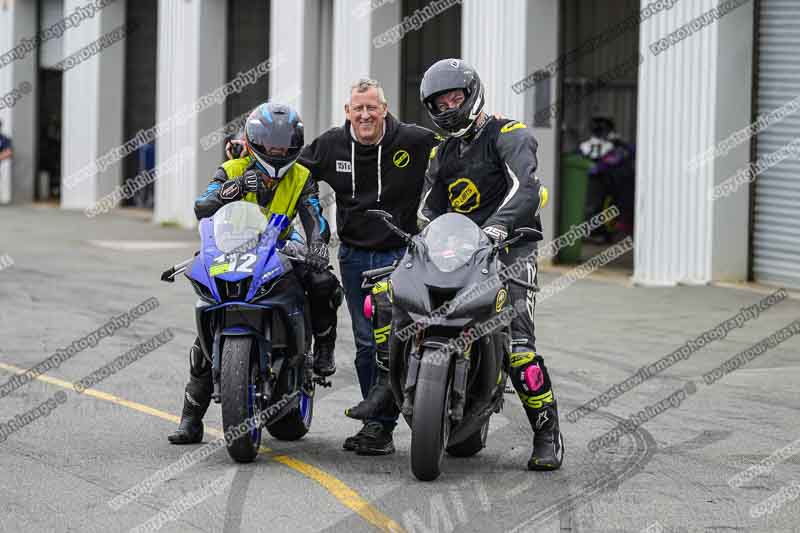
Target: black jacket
<point x="492" y="179"/>
<point x="386" y="176"/>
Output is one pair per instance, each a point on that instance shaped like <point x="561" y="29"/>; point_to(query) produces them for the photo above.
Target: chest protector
<point x="284" y="197"/>
<point x="475" y="181"/>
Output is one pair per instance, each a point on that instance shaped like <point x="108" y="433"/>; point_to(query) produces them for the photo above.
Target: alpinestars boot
<point x="548" y="444"/>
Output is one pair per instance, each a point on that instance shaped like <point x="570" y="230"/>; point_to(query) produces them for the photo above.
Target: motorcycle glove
<point x="236" y="189"/>
<point x="251" y="181"/>
<point x="318" y="256"/>
<point x="496" y="232"/>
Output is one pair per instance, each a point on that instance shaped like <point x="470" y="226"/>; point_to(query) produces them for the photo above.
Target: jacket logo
<point x="511" y="126"/>
<point x="401" y="159"/>
<point x="343" y="166"/>
<point x="500" y="301"/>
<point x="464" y="195"/>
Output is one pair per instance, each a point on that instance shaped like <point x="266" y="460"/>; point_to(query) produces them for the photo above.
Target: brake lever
<point x="525" y="284"/>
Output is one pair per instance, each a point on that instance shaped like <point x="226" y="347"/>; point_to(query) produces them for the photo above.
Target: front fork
<point x="265" y="371"/>
<point x="459" y="390"/>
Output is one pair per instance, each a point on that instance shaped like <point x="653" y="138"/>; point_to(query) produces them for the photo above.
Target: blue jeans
<point x="352" y="262"/>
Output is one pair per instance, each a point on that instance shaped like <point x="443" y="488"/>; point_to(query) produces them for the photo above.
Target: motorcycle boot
<point x="196" y="399"/>
<point x="532" y="383"/>
<point x="326" y="296"/>
<point x="380" y="399"/>
<point x="548" y="443"/>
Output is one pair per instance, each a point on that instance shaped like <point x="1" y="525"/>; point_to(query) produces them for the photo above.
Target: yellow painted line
<point x="337" y="488"/>
<point x="343" y="493"/>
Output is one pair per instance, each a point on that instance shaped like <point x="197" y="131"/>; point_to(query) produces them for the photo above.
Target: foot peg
<point x="321" y="381"/>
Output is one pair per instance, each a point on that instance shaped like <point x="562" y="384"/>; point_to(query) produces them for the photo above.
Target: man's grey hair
<point x="365" y="84"/>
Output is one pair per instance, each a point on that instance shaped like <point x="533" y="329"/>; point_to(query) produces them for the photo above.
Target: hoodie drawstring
<point x="353" y="169"/>
<point x="379" y="173"/>
<point x="353" y="166"/>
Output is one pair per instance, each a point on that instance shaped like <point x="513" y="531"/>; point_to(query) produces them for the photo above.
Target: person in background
<point x="6" y="151"/>
<point x="372" y="161"/>
<point x="235" y="145"/>
<point x="611" y="179"/>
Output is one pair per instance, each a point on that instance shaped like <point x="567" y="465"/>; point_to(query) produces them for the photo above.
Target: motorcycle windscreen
<point x="238" y="225"/>
<point x="452" y="239"/>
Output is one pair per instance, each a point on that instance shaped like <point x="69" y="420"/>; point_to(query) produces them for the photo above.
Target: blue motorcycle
<point x="252" y="318"/>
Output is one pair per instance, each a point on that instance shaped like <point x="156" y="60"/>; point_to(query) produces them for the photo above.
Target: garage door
<point x="776" y="229"/>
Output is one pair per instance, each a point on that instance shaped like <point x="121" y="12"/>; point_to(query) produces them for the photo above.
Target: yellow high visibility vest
<point x="284" y="201"/>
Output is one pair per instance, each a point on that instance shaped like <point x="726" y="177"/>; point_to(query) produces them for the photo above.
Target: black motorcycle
<point x="450" y="340"/>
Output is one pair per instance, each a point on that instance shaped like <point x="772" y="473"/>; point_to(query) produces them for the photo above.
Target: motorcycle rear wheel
<point x="472" y="444"/>
<point x="296" y="423"/>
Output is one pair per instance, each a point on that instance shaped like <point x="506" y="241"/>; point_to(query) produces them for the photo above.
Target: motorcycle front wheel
<point x="430" y="425"/>
<point x="238" y="387"/>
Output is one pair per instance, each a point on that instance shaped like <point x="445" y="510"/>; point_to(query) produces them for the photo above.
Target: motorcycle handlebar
<point x="377" y="272"/>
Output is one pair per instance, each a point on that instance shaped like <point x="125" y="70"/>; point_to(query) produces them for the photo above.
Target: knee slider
<point x="531" y="379"/>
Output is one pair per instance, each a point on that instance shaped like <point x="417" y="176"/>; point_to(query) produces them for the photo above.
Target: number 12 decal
<point x="238" y="263"/>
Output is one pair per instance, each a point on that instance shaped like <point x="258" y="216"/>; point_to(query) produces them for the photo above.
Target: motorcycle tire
<point x="472" y="444"/>
<point x="296" y="423"/>
<point x="430" y="425"/>
<point x="239" y="373"/>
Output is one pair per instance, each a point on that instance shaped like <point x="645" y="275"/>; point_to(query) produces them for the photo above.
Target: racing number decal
<point x="247" y="263"/>
<point x="238" y="263"/>
<point x="464" y="195"/>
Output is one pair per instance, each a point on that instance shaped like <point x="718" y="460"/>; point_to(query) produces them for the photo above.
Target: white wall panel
<point x="542" y="38"/>
<point x="691" y="96"/>
<point x="352" y="46"/>
<point x="92" y="107"/>
<point x="492" y="41"/>
<point x="676" y="110"/>
<point x="505" y="41"/>
<point x="191" y="64"/>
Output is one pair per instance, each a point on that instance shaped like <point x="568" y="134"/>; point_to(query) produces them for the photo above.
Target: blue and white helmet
<point x="274" y="138"/>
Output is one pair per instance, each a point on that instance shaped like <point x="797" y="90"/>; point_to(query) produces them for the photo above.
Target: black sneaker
<point x="377" y="440"/>
<point x="351" y="443"/>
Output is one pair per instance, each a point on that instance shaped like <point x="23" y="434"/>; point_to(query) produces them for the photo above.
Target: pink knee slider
<point x="534" y="378"/>
<point x="368" y="307"/>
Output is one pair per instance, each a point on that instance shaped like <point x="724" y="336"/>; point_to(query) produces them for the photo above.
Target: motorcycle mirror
<point x="379" y="213"/>
<point x="168" y="274"/>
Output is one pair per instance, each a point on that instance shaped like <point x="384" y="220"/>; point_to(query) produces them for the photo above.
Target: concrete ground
<point x="71" y="274"/>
